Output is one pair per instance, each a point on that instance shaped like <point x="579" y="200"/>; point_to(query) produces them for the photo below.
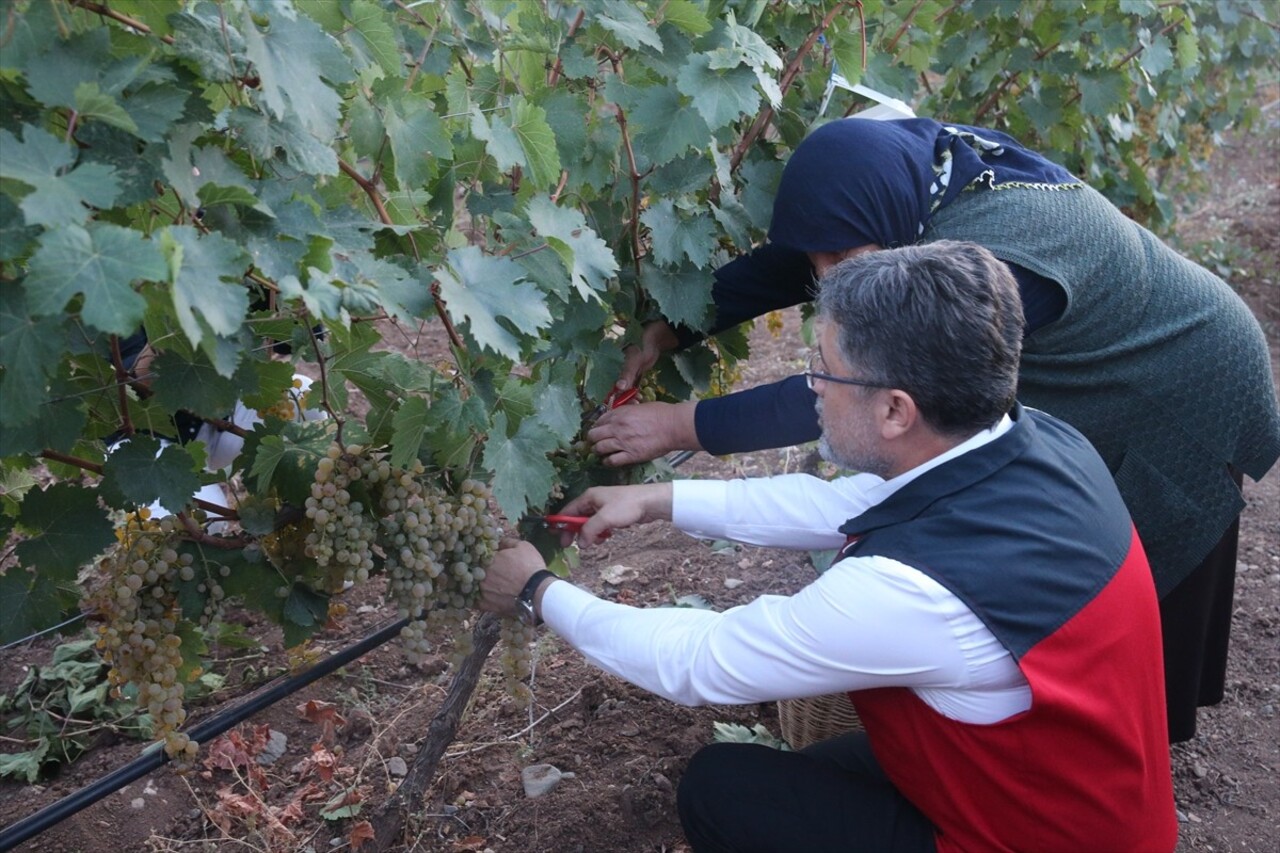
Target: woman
<point x="1152" y="357"/>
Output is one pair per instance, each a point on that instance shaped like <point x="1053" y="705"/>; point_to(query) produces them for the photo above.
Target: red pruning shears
<point x="615" y="399"/>
<point x="566" y="523"/>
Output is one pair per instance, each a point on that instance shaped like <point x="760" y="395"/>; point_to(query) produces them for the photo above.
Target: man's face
<point x="847" y="413"/>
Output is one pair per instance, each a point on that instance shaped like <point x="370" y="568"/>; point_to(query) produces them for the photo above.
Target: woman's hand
<point x="643" y="431"/>
<point x="658" y="337"/>
<point x="614" y="507"/>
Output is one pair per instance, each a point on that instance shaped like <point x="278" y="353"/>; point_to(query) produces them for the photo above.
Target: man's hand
<point x="658" y="337"/>
<point x="640" y="432"/>
<point x="614" y="507"/>
<point x="505" y="577"/>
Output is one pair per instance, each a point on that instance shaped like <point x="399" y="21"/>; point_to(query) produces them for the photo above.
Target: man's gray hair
<point x="942" y="321"/>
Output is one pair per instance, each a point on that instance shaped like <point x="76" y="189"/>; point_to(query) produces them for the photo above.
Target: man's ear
<point x="898" y="414"/>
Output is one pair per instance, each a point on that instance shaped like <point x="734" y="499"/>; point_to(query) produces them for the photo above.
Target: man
<point x="991" y="613"/>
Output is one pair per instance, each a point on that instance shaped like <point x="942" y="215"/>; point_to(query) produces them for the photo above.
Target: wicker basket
<point x="815" y="718"/>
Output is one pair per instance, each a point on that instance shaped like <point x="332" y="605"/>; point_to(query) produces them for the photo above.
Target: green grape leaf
<point x="24" y="765"/>
<point x="66" y="529"/>
<point x="499" y="140"/>
<point x="30" y="349"/>
<point x="371" y="29"/>
<point x="587" y="258"/>
<point x="675" y="236"/>
<point x="629" y="24"/>
<point x="720" y="96"/>
<point x="686" y="15"/>
<point x="1157" y="58"/>
<point x="294" y="59"/>
<point x="303" y="613"/>
<point x="556" y="407"/>
<point x="53" y="75"/>
<point x="208" y="41"/>
<point x="29" y="602"/>
<point x="683" y="296"/>
<point x="207" y="289"/>
<point x="139" y="472"/>
<point x="482" y="291"/>
<point x="195" y="386"/>
<point x="415" y="136"/>
<point x="409" y="427"/>
<point x="101" y="263"/>
<point x="154" y="108"/>
<point x="665" y="128"/>
<point x="529" y="123"/>
<point x="523" y="475"/>
<point x="1103" y="92"/>
<point x="458" y="422"/>
<point x="92" y="103"/>
<point x="59" y="195"/>
<point x="1188" y="50"/>
<point x="266" y="135"/>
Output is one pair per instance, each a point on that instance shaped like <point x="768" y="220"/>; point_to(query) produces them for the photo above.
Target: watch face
<point x="524" y="610"/>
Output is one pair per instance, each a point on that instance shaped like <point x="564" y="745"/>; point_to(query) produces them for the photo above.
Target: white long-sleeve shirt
<point x="866" y="622"/>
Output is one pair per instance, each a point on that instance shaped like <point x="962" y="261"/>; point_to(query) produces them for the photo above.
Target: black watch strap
<point x="524" y="601"/>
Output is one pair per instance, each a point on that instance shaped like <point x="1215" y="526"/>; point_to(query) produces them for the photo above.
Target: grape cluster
<point x="343" y="534"/>
<point x="141" y="615"/>
<point x="291" y="405"/>
<point x="517" y="659"/>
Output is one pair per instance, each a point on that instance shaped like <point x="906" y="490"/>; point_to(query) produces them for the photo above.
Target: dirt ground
<point x="625" y="750"/>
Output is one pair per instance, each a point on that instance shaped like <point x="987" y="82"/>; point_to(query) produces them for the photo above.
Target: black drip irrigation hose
<point x="18" y="832"/>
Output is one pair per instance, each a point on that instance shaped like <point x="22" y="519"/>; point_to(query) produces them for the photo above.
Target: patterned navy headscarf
<point x="859" y="181"/>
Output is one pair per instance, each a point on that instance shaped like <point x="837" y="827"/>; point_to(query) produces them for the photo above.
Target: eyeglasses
<point x="810" y="375"/>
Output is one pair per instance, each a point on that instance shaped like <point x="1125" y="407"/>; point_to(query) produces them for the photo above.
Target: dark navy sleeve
<point x="1043" y="299"/>
<point x="777" y="415"/>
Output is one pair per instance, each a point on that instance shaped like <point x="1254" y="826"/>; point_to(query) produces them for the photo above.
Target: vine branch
<point x="95" y="468"/>
<point x="784" y="83"/>
<point x="122" y="381"/>
<point x="120" y="18"/>
<point x="375" y="197"/>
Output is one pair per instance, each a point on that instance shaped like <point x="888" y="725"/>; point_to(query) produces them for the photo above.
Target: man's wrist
<point x="528" y="602"/>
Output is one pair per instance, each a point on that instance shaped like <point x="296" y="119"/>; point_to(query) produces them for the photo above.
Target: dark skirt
<point x="1195" y="622"/>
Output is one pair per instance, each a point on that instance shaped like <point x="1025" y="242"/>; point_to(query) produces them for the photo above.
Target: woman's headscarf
<point x="858" y="181"/>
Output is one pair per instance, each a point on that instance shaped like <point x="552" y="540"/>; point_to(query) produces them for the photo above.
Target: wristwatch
<point x="524" y="601"/>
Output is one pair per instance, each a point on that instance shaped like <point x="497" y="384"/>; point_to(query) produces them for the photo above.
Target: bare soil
<point x="626" y="749"/>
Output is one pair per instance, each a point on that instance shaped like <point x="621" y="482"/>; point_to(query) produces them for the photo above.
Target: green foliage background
<point x="528" y="179"/>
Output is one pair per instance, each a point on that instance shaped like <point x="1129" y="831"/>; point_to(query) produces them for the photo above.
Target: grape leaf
<point x="674" y="236"/>
<point x="102" y="263"/>
<point x="529" y="123"/>
<point x="67" y="529"/>
<point x="29" y="602"/>
<point x="204" y="294"/>
<point x="265" y="136"/>
<point x="302" y="614"/>
<point x="416" y="133"/>
<point x="720" y="96"/>
<point x="483" y="291"/>
<point x="29" y="350"/>
<point x="683" y="295"/>
<point x="500" y="140"/>
<point x="192" y="385"/>
<point x="154" y="108"/>
<point x="665" y="128"/>
<point x="629" y="24"/>
<point x="371" y="30"/>
<point x="294" y="58"/>
<point x="59" y="195"/>
<point x="410" y="426"/>
<point x="139" y="472"/>
<point x="92" y="103"/>
<point x="523" y="475"/>
<point x="210" y="42"/>
<point x="686" y="15"/>
<point x="590" y="262"/>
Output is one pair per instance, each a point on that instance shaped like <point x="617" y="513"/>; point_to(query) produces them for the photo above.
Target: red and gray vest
<point x="1030" y="532"/>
